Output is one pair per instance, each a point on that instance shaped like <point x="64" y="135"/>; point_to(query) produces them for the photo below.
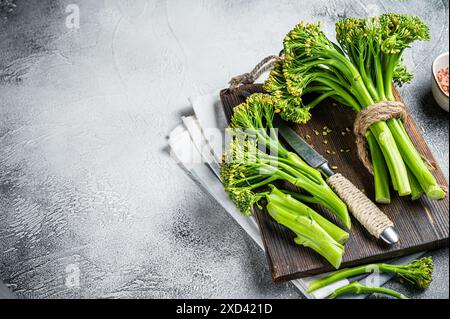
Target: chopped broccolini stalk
<point x="311" y="228"/>
<point x="309" y="233"/>
<point x="294" y="207"/>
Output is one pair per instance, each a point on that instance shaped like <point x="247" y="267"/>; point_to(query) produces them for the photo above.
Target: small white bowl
<point x="439" y="95"/>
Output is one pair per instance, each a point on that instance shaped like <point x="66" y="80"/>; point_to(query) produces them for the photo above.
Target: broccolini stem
<point x="302" y="197"/>
<point x="416" y="190"/>
<point x="316" y="88"/>
<point x="341" y="91"/>
<point x="358" y="289"/>
<point x="252" y="179"/>
<point x="379" y="78"/>
<point x="357" y="86"/>
<point x="393" y="178"/>
<point x="271" y="143"/>
<point x="320" y="98"/>
<point x="391" y="61"/>
<point x="296" y="168"/>
<point x="414" y="161"/>
<point x="298" y="162"/>
<point x="308" y="199"/>
<point x="262" y="183"/>
<point x="367" y="79"/>
<point x="337" y="73"/>
<point x="339" y="275"/>
<point x="392" y="156"/>
<point x="380" y="173"/>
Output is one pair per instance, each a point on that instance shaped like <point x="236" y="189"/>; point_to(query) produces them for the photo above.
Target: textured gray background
<point x="85" y="182"/>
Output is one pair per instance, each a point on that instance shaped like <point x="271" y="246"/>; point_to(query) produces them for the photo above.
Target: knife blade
<point x="306" y="152"/>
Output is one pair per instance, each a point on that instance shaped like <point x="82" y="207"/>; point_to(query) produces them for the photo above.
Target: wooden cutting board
<point x="422" y="225"/>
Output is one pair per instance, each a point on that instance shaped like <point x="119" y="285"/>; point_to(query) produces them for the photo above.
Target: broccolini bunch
<point x="358" y="73"/>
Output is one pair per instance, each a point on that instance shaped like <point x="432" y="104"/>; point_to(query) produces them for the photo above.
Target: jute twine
<point x="265" y="65"/>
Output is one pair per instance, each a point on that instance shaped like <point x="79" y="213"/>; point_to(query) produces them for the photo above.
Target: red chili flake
<point x="442" y="77"/>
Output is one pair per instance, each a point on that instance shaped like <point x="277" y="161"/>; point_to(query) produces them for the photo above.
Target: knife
<point x="362" y="208"/>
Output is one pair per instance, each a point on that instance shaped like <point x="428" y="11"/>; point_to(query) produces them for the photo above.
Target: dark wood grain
<point x="422" y="225"/>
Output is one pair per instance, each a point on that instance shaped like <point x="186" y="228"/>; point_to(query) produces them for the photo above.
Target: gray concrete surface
<point x="90" y="203"/>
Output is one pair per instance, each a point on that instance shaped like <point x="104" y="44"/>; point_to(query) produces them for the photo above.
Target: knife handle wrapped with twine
<point x="364" y="210"/>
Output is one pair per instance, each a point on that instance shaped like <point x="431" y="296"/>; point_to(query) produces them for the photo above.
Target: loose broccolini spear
<point x="419" y="273"/>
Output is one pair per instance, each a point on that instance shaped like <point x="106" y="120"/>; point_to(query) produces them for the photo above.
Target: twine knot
<point x="246" y="78"/>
